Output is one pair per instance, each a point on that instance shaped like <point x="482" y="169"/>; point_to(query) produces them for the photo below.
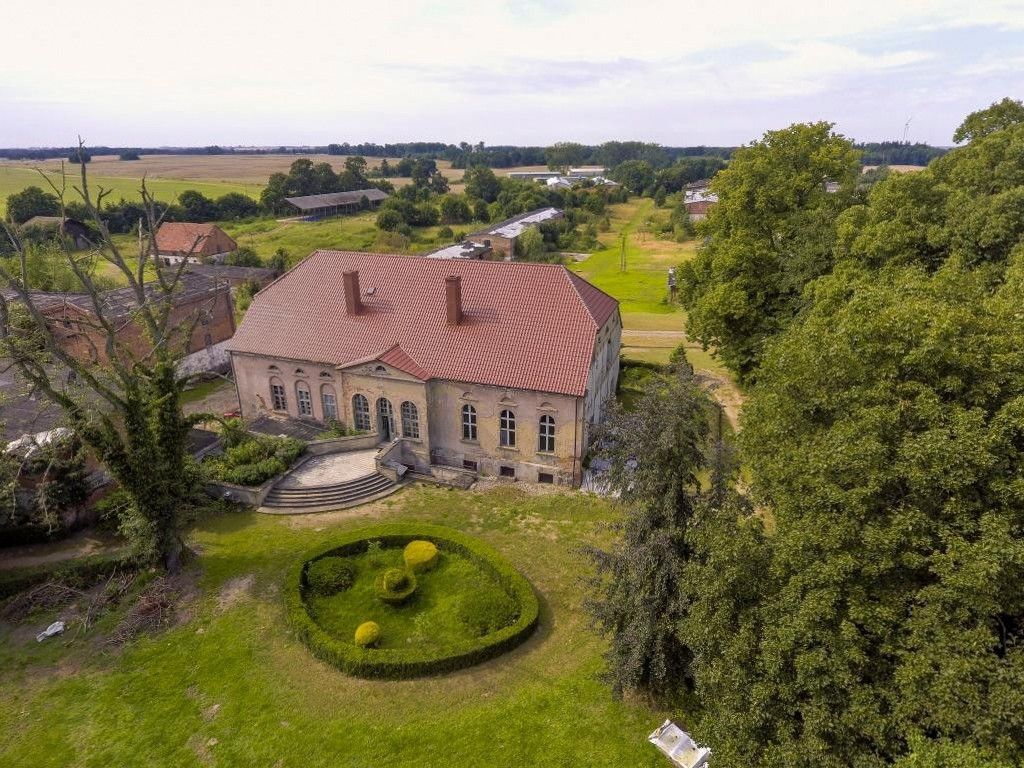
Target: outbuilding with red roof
<point x="198" y="243"/>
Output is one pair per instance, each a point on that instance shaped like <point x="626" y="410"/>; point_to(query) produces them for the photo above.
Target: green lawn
<point x="16" y="178"/>
<point x="230" y="685"/>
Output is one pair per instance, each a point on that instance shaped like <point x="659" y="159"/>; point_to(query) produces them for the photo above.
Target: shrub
<point x="485" y="611"/>
<point x="329" y="575"/>
<point x="420" y="555"/>
<point x="254" y="460"/>
<point x="416" y="660"/>
<point x="367" y="634"/>
<point x="395" y="586"/>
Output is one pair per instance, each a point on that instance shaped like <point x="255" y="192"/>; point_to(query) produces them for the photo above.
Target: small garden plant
<point x="404" y="600"/>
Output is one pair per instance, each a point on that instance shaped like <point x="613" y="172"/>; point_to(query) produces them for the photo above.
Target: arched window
<point x="277" y="398"/>
<point x="305" y="399"/>
<point x="547" y="434"/>
<point x="468" y="422"/>
<point x="410" y="420"/>
<point x="361" y="413"/>
<point x="329" y="402"/>
<point x="507" y="429"/>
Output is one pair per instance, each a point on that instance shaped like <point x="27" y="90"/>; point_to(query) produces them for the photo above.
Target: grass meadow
<point x="230" y="685"/>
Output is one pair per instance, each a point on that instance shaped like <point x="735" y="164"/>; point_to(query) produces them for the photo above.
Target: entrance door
<point x="385" y="420"/>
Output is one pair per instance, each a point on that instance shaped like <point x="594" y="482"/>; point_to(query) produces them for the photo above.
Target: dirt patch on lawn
<point x="234" y="591"/>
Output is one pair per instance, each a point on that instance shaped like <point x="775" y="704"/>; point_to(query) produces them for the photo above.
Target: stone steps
<point x="334" y="496"/>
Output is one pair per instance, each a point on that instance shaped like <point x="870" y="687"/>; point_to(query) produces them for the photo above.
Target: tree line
<point x="861" y="602"/>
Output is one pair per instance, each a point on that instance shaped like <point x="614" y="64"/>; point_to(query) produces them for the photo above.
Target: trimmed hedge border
<point x="399" y="663"/>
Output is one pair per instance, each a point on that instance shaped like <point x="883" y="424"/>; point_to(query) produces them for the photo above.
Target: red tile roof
<point x="200" y="239"/>
<point x="525" y="326"/>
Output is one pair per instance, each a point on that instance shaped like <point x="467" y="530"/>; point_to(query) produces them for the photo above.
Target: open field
<point x="14" y="178"/>
<point x="230" y="685"/>
<point x="169" y="175"/>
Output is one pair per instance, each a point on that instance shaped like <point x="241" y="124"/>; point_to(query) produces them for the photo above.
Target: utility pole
<point x="622" y="253"/>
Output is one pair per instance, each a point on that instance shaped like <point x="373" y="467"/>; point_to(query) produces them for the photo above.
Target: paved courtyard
<point x="331" y="469"/>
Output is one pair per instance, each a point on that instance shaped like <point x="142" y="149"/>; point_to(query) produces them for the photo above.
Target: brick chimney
<point x="353" y="304"/>
<point x="453" y="299"/>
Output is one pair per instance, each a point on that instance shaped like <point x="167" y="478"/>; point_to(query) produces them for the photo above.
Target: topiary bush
<point x="329" y="575"/>
<point x="367" y="634"/>
<point x="395" y="586"/>
<point x="420" y="555"/>
<point x="484" y="611"/>
<point x="416" y="660"/>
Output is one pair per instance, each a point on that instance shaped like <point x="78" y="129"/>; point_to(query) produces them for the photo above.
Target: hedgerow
<point x="254" y="460"/>
<point x="397" y="663"/>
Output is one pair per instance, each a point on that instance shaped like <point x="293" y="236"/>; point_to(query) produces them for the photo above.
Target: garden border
<point x="399" y="663"/>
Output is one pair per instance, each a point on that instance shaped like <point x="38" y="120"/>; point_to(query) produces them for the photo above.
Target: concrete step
<point x="340" y="494"/>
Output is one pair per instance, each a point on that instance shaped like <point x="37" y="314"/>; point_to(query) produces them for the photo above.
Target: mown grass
<point x="230" y="685"/>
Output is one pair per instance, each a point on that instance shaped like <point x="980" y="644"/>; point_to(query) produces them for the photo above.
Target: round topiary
<point x="486" y="611"/>
<point x="395" y="586"/>
<point x="420" y="555"/>
<point x="367" y="634"/>
<point x="329" y="575"/>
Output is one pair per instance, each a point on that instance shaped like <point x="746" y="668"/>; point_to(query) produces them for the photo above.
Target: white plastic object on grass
<point x="678" y="747"/>
<point x="54" y="629"/>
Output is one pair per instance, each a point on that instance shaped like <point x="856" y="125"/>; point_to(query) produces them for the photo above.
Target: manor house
<point x="495" y="367"/>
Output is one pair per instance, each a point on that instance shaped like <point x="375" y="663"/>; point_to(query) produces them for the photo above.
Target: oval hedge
<point x="397" y="663"/>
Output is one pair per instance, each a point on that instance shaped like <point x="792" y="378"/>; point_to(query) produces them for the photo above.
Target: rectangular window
<point x="545" y="477"/>
<point x="305" y="402"/>
<point x="507" y="430"/>
<point x="546" y="443"/>
<point x="508" y="472"/>
<point x="468" y="422"/>
<point x="278" y="398"/>
<point x="471" y="465"/>
<point x="330" y="407"/>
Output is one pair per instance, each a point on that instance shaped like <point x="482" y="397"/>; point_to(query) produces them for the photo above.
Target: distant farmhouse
<point x="488" y="367"/>
<point x="467" y="249"/>
<point x="501" y="237"/>
<point x="698" y="199"/>
<point x="327" y="205"/>
<point x="198" y="243"/>
<point x="575" y="176"/>
<point x="75" y="231"/>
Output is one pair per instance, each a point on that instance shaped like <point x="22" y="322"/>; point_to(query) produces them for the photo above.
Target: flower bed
<point x="470" y="606"/>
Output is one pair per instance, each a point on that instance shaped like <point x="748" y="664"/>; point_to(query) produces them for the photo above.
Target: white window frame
<point x="546" y="434"/>
<point x="507" y="429"/>
<point x="468" y="422"/>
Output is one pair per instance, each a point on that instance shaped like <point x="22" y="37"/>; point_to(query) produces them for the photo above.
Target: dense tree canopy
<point x="996" y="117"/>
<point x="772" y="231"/>
<point x="29" y="202"/>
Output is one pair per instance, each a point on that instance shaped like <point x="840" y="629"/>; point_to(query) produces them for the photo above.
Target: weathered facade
<point x="178" y="241"/>
<point x="492" y="367"/>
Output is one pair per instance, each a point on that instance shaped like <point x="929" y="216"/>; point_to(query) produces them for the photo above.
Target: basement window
<point x="545" y="477"/>
<point x="470" y="465"/>
<point x="508" y="472"/>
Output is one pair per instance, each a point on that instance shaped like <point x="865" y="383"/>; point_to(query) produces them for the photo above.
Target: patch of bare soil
<point x="235" y="590"/>
<point x="80" y="544"/>
<point x="725" y="391"/>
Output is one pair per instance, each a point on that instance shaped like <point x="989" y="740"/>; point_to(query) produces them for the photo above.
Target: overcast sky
<point x="252" y="72"/>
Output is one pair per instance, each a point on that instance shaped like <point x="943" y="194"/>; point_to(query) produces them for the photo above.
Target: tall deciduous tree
<point x="29" y="202"/>
<point x="770" y="233"/>
<point x="995" y="117"/>
<point x="563" y="155"/>
<point x="126" y="409"/>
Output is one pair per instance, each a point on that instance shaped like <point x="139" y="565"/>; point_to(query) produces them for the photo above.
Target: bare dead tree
<point x="123" y="403"/>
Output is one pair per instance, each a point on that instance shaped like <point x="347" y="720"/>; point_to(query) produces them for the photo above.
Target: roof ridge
<point x="576" y="289"/>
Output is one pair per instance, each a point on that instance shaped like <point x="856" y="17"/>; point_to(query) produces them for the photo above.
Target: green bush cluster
<point x="329" y="575"/>
<point x="395" y="585"/>
<point x="416" y="660"/>
<point x="484" y="611"/>
<point x="367" y="634"/>
<point x="254" y="460"/>
<point x="420" y="555"/>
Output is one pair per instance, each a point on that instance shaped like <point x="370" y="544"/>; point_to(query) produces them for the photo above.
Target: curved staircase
<point x="284" y="498"/>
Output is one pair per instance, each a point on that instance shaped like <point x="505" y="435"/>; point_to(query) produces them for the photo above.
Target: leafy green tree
<point x="279" y="261"/>
<point x="129" y="154"/>
<point x="563" y="155"/>
<point x="196" y="206"/>
<point x="655" y="451"/>
<point x="481" y="183"/>
<point x="455" y="210"/>
<point x="389" y="220"/>
<point x="480" y="212"/>
<point x="635" y="175"/>
<point x="884" y="435"/>
<point x="996" y="117"/>
<point x="770" y="233"/>
<point x="530" y="245"/>
<point x="243" y="256"/>
<point x="29" y="202"/>
<point x="235" y="205"/>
